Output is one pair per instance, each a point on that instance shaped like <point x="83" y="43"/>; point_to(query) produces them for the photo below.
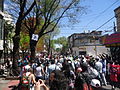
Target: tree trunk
<point x="16" y="40"/>
<point x="32" y="49"/>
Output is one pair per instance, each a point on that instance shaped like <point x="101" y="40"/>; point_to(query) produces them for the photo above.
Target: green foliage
<point x="58" y="49"/>
<point x="51" y="12"/>
<point x="62" y="40"/>
<point x="24" y="41"/>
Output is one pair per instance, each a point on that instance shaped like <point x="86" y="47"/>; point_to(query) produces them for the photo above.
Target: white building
<point x="86" y="44"/>
<point x="1" y="27"/>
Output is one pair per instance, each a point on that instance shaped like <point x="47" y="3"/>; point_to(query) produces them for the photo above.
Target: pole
<point x="95" y="46"/>
<point x="114" y="27"/>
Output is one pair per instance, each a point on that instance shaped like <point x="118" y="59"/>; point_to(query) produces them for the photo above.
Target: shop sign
<point x="112" y="39"/>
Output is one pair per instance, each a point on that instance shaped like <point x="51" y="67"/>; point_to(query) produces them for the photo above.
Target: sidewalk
<point x="8" y="84"/>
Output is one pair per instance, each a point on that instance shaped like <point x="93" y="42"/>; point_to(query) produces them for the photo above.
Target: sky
<point x="97" y="13"/>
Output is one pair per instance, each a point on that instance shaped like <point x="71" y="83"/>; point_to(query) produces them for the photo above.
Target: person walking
<point x="39" y="72"/>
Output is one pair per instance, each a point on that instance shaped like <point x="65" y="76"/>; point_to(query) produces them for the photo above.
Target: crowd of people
<point x="60" y="72"/>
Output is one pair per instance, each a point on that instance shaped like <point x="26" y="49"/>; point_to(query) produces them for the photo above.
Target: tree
<point x="45" y="13"/>
<point x="40" y="45"/>
<point x="24" y="43"/>
<point x="64" y="42"/>
<point x="49" y="42"/>
<point x="46" y="16"/>
<point x="24" y="10"/>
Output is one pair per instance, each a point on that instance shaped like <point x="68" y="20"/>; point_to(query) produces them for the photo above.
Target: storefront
<point x="113" y="42"/>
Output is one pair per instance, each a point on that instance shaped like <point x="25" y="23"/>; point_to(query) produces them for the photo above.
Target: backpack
<point x="25" y="80"/>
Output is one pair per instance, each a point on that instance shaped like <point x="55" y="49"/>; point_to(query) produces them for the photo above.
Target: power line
<point x="66" y="26"/>
<point x="102" y="12"/>
<point x="105" y="23"/>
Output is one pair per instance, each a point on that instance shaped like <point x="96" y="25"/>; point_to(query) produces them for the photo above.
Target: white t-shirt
<point x="93" y="71"/>
<point x="38" y="71"/>
<point x="52" y="67"/>
<point x="98" y="66"/>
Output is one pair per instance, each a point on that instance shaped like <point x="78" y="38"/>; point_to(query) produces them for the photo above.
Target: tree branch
<point x="28" y="11"/>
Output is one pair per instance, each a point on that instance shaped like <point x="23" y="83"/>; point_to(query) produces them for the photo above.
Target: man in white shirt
<point x="99" y="66"/>
<point x="52" y="67"/>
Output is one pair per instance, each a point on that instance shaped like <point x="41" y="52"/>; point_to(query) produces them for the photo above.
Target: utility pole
<point x="114" y="28"/>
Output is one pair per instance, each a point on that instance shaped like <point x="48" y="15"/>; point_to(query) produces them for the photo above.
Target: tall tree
<point x="44" y="13"/>
<point x="46" y="16"/>
<point x="24" y="10"/>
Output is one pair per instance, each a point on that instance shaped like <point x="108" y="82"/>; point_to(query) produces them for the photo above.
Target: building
<point x="86" y="44"/>
<point x="1" y="26"/>
<point x="113" y="41"/>
<point x="117" y="14"/>
<point x="4" y="16"/>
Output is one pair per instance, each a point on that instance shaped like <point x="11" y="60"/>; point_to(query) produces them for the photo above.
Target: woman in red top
<point x="113" y="75"/>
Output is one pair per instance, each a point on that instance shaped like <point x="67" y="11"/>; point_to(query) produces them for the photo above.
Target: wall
<point x="117" y="14"/>
<point x="90" y="50"/>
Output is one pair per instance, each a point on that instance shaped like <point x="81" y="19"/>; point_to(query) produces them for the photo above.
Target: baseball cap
<point x="95" y="83"/>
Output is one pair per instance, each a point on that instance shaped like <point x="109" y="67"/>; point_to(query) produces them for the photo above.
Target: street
<point x="10" y="84"/>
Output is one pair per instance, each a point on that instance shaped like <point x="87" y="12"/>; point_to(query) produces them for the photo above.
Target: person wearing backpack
<point x="28" y="80"/>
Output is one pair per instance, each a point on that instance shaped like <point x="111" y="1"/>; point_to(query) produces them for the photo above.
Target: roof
<point x="117" y="8"/>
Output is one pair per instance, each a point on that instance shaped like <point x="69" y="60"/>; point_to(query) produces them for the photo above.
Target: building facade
<point x="117" y="14"/>
<point x="113" y="41"/>
<point x="86" y="44"/>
